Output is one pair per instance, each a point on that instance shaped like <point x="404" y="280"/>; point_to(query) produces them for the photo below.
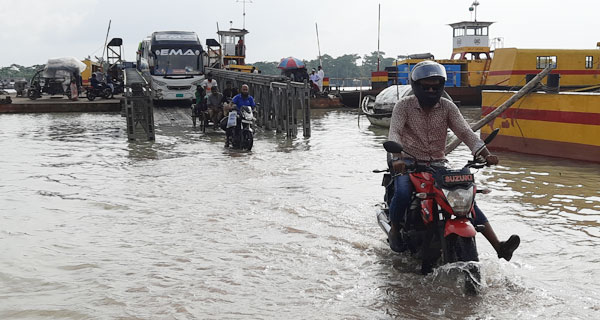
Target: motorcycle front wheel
<point x="248" y="140"/>
<point x="32" y="94"/>
<point x="465" y="249"/>
<point x="107" y="93"/>
<point x="90" y="95"/>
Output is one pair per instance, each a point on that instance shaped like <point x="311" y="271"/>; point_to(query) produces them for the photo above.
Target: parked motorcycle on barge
<point x="438" y="226"/>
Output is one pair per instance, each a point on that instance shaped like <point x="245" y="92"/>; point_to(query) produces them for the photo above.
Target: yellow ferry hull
<point x="565" y="125"/>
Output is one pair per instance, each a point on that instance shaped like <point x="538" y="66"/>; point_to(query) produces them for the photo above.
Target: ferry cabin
<point x="471" y="56"/>
<point x="234" y="49"/>
<point x="578" y="68"/>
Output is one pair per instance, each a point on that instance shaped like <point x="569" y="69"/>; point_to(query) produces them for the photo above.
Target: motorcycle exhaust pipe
<point x="383" y="222"/>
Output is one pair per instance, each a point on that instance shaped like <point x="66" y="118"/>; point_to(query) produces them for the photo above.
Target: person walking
<point x="321" y="75"/>
<point x="314" y="77"/>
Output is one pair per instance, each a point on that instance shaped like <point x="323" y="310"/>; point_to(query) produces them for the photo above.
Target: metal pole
<point x="378" y="34"/>
<point x="318" y="44"/>
<point x="105" y="42"/>
<point x="454" y="141"/>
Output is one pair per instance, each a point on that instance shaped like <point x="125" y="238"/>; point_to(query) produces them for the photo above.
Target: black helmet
<point x="430" y="96"/>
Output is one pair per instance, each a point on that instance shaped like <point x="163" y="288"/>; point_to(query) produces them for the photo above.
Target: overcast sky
<point x="31" y="31"/>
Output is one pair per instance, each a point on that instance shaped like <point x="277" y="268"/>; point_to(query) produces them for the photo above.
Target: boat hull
<point x="351" y="99"/>
<point x="325" y="103"/>
<point x="558" y="125"/>
<point x="380" y="120"/>
<point x="465" y="96"/>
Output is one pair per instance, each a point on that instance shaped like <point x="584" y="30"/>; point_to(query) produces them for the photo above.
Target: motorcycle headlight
<point x="460" y="200"/>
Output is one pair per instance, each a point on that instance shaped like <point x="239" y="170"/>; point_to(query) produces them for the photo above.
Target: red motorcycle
<point x="438" y="226"/>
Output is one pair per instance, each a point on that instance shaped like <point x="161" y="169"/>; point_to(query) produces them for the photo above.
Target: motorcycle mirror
<point x="491" y="136"/>
<point x="392" y="147"/>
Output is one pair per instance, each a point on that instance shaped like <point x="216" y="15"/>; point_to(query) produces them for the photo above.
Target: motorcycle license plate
<point x="454" y="179"/>
<point x="179" y="95"/>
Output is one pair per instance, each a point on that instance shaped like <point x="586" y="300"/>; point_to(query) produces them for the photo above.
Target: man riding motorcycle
<point x="241" y="99"/>
<point x="420" y="124"/>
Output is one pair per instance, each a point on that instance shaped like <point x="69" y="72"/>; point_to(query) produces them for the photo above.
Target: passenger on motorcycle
<point x="94" y="82"/>
<point x="420" y="124"/>
<point x="241" y="99"/>
<point x="229" y="91"/>
<point x="109" y="83"/>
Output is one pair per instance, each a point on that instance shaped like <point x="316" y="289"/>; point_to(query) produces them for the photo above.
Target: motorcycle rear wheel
<point x="465" y="249"/>
<point x="90" y="95"/>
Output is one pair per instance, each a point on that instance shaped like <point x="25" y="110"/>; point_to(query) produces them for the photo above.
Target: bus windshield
<point x="177" y="62"/>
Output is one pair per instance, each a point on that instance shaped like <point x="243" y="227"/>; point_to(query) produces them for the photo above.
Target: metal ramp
<point x="137" y="106"/>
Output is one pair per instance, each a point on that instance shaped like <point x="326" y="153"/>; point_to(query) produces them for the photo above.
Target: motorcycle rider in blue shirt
<point x="241" y="99"/>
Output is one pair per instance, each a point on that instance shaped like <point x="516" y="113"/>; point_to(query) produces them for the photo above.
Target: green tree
<point x="370" y="63"/>
<point x="266" y="67"/>
<point x="15" y="71"/>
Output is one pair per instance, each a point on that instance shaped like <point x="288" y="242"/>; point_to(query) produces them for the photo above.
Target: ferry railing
<point x="278" y="99"/>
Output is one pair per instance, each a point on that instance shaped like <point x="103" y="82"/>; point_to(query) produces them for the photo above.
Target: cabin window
<point x="544" y="61"/>
<point x="589" y="62"/>
<point x="458" y="32"/>
<point x="470" y="32"/>
<point x="483" y="31"/>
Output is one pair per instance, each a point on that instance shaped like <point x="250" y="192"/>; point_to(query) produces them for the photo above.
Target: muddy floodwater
<point x="93" y="226"/>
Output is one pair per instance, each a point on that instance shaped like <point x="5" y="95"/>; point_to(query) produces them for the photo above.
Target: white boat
<point x="379" y="109"/>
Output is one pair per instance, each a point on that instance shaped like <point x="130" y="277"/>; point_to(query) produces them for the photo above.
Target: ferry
<point x="474" y="66"/>
<point x="555" y="124"/>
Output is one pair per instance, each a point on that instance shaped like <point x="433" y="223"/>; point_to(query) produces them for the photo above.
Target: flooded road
<point x="95" y="227"/>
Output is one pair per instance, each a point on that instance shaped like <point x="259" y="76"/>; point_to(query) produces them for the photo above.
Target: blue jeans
<point x="403" y="190"/>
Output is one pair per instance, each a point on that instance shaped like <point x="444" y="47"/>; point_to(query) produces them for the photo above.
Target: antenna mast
<point x="105" y="41"/>
<point x="378" y="33"/>
<point x="244" y="15"/>
<point x="473" y="8"/>
<point x="318" y="44"/>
